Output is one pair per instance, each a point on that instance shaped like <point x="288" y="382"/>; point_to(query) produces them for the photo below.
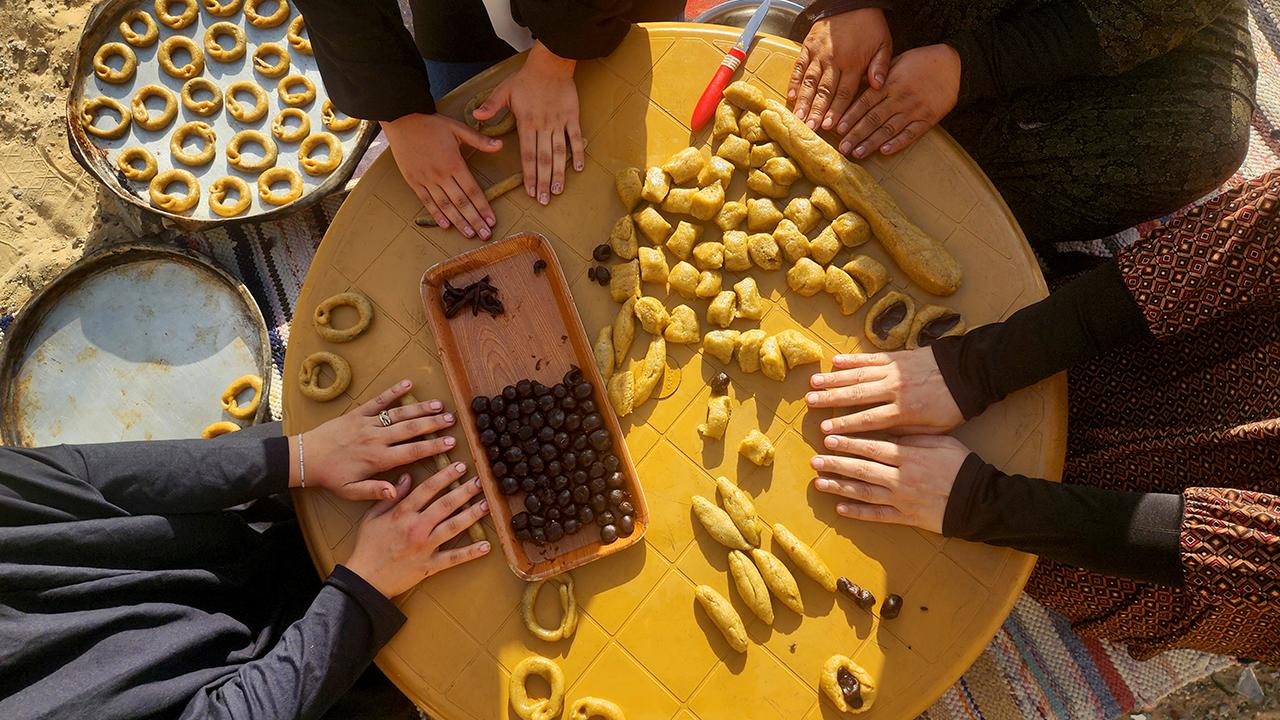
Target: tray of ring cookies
<point x="207" y="111"/>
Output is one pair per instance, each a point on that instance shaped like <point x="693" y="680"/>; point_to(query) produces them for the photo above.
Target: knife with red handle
<point x="706" y="106"/>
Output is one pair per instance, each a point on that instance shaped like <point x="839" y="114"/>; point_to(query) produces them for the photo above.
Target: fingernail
<point x="826" y="123"/>
<point x="791" y="94"/>
<point x="885" y="148"/>
<point x="832" y="441"/>
<point x="812" y="125"/>
<point x="468" y="231"/>
<point x="484" y="547"/>
<point x="404" y="384"/>
<point x="484" y="232"/>
<point x="799" y="112"/>
<point x="388" y="494"/>
<point x="475" y="481"/>
<point x="826" y="426"/>
<point x="845" y="147"/>
<point x="447" y="417"/>
<point x="812" y="397"/>
<point x="844" y="127"/>
<point x="859" y="151"/>
<point x="822" y="484"/>
<point x="555" y="188"/>
<point x="577" y="166"/>
<point x="528" y="189"/>
<point x="449" y="441"/>
<point x="443" y="224"/>
<point x="817" y="462"/>
<point x="544" y="198"/>
<point x="491" y="220"/>
<point x="880" y="78"/>
<point x="493" y="142"/>
<point x="404" y="478"/>
<point x="459" y="467"/>
<point x="484" y="506"/>
<point x="434" y="405"/>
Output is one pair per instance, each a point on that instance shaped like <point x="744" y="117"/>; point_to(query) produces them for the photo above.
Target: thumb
<point x="879" y="67"/>
<point x="497" y="100"/>
<point x="476" y="139"/>
<point x="384" y="492"/>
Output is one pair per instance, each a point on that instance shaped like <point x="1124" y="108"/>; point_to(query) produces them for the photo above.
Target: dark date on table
<point x="549" y="447"/>
<point x="850" y="688"/>
<point x="860" y="596"/>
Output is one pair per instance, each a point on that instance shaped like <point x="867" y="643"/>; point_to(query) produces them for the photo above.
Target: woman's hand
<point x="837" y="54"/>
<point x="428" y="152"/>
<point x="902" y="392"/>
<point x="544" y="100"/>
<point x="343" y="454"/>
<point x="905" y="482"/>
<point x="922" y="87"/>
<point x="398" y="541"/>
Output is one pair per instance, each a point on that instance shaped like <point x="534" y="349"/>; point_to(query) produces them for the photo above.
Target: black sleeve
<point x="317" y="659"/>
<point x="587" y="29"/>
<point x="1125" y="534"/>
<point x="823" y="9"/>
<point x="1034" y="47"/>
<point x="1086" y="317"/>
<point x="370" y="65"/>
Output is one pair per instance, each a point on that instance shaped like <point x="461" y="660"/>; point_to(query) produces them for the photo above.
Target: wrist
<point x="545" y="62"/>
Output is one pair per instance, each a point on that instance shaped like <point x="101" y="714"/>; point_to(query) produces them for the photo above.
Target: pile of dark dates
<point x="550" y="444"/>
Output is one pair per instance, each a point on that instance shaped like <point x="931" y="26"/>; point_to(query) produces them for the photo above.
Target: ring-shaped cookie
<point x="267" y="69"/>
<point x="203" y="108"/>
<point x="108" y="74"/>
<point x="240" y="162"/>
<point x="320" y="167"/>
<point x="150" y="31"/>
<point x="222" y="427"/>
<point x="284" y="133"/>
<point x="220" y="188"/>
<point x="272" y="197"/>
<point x="170" y="202"/>
<point x="324" y="311"/>
<point x="126" y="159"/>
<point x="143" y="117"/>
<point x="180" y="42"/>
<point x="569" y="604"/>
<point x="309" y="376"/>
<point x="190" y="11"/>
<point x="294" y="36"/>
<point x="90" y="109"/>
<point x="296" y="99"/>
<point x="201" y="130"/>
<point x="222" y="9"/>
<point x="589" y="707"/>
<point x="238" y="110"/>
<point x="540" y="708"/>
<point x="215" y="49"/>
<point x="501" y="124"/>
<point x="237" y="386"/>
<point x="329" y="116"/>
<point x="259" y="20"/>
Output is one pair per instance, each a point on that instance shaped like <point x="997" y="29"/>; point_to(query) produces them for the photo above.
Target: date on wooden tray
<point x="550" y="453"/>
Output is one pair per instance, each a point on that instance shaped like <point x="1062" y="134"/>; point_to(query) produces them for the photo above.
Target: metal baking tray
<point x="98" y="155"/>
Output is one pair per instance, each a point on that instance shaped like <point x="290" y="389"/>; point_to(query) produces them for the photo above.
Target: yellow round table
<point x="641" y="642"/>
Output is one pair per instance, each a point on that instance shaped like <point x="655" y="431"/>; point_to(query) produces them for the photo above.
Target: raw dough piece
<point x="624" y="331"/>
<point x="271" y="69"/>
<point x="749" y="344"/>
<point x="651" y="369"/>
<point x="869" y="273"/>
<point x="234" y="408"/>
<point x="781" y="170"/>
<point x="108" y="74"/>
<point x="745" y="96"/>
<point x="731" y="215"/>
<point x="329" y="118"/>
<point x="652" y="315"/>
<point x="762" y="215"/>
<point x="208" y="140"/>
<point x="826" y="202"/>
<point x="718" y="524"/>
<point x="679" y="201"/>
<point x="244" y="164"/>
<point x="682" y="326"/>
<point x="851" y="228"/>
<point x="764" y="251"/>
<point x="656" y="185"/>
<point x="755" y="446"/>
<point x="622" y="392"/>
<point x="931" y="323"/>
<point x="707" y="202"/>
<point x="685" y="165"/>
<point x="726" y="122"/>
<point x="721" y="311"/>
<point x="630" y="185"/>
<point x="849" y="296"/>
<point x="216" y="50"/>
<point x="772" y="364"/>
<point x="126" y="158"/>
<point x="316" y="167"/>
<point x="718" y="411"/>
<point x="708" y="284"/>
<point x="683" y="278"/>
<point x="718" y="170"/>
<point x="653" y="265"/>
<point x="825" y="247"/>
<point x="239" y="111"/>
<point x="779" y="579"/>
<point x="735" y="150"/>
<point x="258" y="20"/>
<point x="205" y="108"/>
<point x="323" y="317"/>
<point x="190" y="11"/>
<point x="222" y="427"/>
<point x="806" y="278"/>
<point x="763" y="185"/>
<point x="652" y="225"/>
<point x="174" y="203"/>
<point x="802" y="212"/>
<point x="737" y="253"/>
<point x="309" y="376"/>
<point x="793" y="243"/>
<point x="683" y="239"/>
<point x="603" y="350"/>
<point x="568" y="605"/>
<point x="797" y="348"/>
<point x="750" y="304"/>
<point x="720" y="344"/>
<point x="889" y="320"/>
<point x="708" y="256"/>
<point x="593" y="707"/>
<point x="222" y="9"/>
<point x="271" y="197"/>
<point x="741" y="510"/>
<point x="804" y="557"/>
<point x="622" y="239"/>
<point x="301" y="98"/>
<point x="830" y="685"/>
<point x="723" y="615"/>
<point x="762" y="153"/>
<point x="548" y="708"/>
<point x="164" y="55"/>
<point x="624" y="282"/>
<point x="294" y="36"/>
<point x="150" y="33"/>
<point x="750" y="585"/>
<point x="220" y="188"/>
<point x="749" y="128"/>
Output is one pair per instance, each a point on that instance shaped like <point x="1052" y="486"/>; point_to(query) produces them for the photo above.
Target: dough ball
<point x="683" y="278"/>
<point x="683" y="239"/>
<point x="762" y="153"/>
<point x="622" y="392"/>
<point x="932" y="323"/>
<point x="652" y="315"/>
<point x="653" y="265"/>
<point x="624" y="332"/>
<point x="630" y="185"/>
<point x="682" y="328"/>
<point x="707" y="202"/>
<point x="772" y="364"/>
<point x="848" y="294"/>
<point x="731" y="215"/>
<point x="722" y="309"/>
<point x="826" y="202"/>
<point x="717" y="170"/>
<point x="679" y="201"/>
<point x="802" y="212"/>
<point x="806" y="278"/>
<point x="782" y="170"/>
<point x="719" y="409"/>
<point x="749" y="128"/>
<point x="794" y="244"/>
<point x="757" y="448"/>
<point x="708" y="284"/>
<point x="624" y="282"/>
<point x="735" y="150"/>
<point x="685" y="165"/>
<point x="656" y="185"/>
<point x="825" y="246"/>
<point x="603" y="351"/>
<point x="749" y="344"/>
<point x="851" y="229"/>
<point x="764" y="251"/>
<point x="726" y="122"/>
<point x="652" y="225"/>
<point x="762" y="215"/>
<point x="651" y="369"/>
<point x="761" y="184"/>
<point x="889" y="320"/>
<point x="720" y="344"/>
<point x="869" y="273"/>
<point x="622" y="239"/>
<point x="709" y="256"/>
<point x="737" y="257"/>
<point x="798" y="349"/>
<point x="750" y="304"/>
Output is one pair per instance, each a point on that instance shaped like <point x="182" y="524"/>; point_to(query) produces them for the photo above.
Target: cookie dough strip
<point x="493" y="192"/>
<point x="475" y="532"/>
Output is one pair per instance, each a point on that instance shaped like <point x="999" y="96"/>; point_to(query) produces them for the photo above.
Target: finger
<point x="367" y="490"/>
<point x="878" y="68"/>
<point x="878" y="136"/>
<point x="902" y="140"/>
<point x="797" y="72"/>
<point x="385" y="399"/>
<point x="401" y="488"/>
<point x="430" y="205"/>
<point x="577" y="145"/>
<point x="466" y="205"/>
<point x="544" y="166"/>
<point x="854" y="360"/>
<point x="881" y="451"/>
<point x="881" y="417"/>
<point x="851" y="395"/>
<point x="478" y="200"/>
<point x="416" y="428"/>
<point x="558" y="157"/>
<point x="458" y="524"/>
<point x="457" y="556"/>
<point x="841" y="99"/>
<point x="873" y="513"/>
<point x="855" y="125"/>
<point x="853" y="490"/>
<point x="429" y="488"/>
<point x="448" y="504"/>
<point x="478" y="140"/>
<point x="529" y="159"/>
<point x="414" y="410"/>
<point x="841" y="378"/>
<point x="409" y="452"/>
<point x="855" y="468"/>
<point x="808" y="86"/>
<point x="497" y="100"/>
<point x="446" y="205"/>
<point x="822" y="96"/>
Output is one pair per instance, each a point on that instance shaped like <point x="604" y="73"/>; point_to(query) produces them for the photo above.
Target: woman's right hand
<point x="837" y="55"/>
<point x="398" y="542"/>
<point x="427" y="149"/>
<point x="901" y="392"/>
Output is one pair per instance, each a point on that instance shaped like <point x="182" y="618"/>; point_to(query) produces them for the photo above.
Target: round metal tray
<point x="736" y="13"/>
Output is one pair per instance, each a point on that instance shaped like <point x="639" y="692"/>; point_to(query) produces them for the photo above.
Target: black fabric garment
<point x="373" y="70"/>
<point x="127" y="592"/>
<point x="823" y="9"/>
<point x="1128" y="534"/>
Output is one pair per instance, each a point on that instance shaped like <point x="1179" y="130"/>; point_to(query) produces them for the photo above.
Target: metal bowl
<point x="735" y="13"/>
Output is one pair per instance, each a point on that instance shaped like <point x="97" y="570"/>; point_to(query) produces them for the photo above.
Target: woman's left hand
<point x="905" y="481"/>
<point x="922" y="87"/>
<point x="544" y="100"/>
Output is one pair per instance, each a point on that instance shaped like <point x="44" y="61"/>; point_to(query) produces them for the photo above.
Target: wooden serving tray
<point x="539" y="336"/>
